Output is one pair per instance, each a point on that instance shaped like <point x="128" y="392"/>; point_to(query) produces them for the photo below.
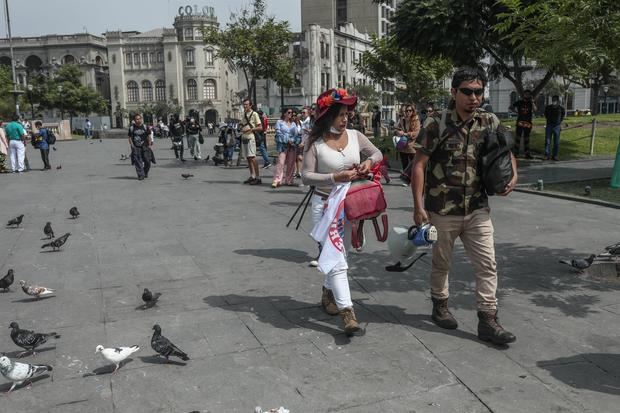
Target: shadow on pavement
<point x="108" y="369"/>
<point x="598" y="372"/>
<point x="5" y="387"/>
<point x="284" y="254"/>
<point x="160" y="360"/>
<point x="14" y="354"/>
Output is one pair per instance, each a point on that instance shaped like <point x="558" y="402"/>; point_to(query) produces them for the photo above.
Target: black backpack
<point x="51" y="138"/>
<point x="496" y="161"/>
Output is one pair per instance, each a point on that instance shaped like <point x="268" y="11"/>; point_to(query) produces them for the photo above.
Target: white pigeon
<point x="116" y="355"/>
<point x="36" y="290"/>
<point x="20" y="372"/>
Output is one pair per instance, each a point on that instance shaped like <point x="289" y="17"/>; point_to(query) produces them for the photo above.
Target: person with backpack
<point x="177" y="131"/>
<point x="42" y="138"/>
<point x="250" y="125"/>
<point x="332" y="156"/>
<point x="448" y="192"/>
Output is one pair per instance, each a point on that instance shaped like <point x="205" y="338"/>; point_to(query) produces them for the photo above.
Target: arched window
<point x="208" y="57"/>
<point x="133" y="94"/>
<point x="147" y="91"/>
<point x="160" y="90"/>
<point x="189" y="34"/>
<point x="5" y="61"/>
<point x="192" y="89"/>
<point x="209" y="90"/>
<point x="189" y="57"/>
<point x="99" y="60"/>
<point x="68" y="60"/>
<point x="33" y="63"/>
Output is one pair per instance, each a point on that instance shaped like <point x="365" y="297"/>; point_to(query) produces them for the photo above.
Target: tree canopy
<point x="256" y="44"/>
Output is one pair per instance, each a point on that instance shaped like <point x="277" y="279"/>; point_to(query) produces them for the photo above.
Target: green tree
<point x="421" y="75"/>
<point x="465" y="32"/>
<point x="255" y="43"/>
<point x="7" y="104"/>
<point x="367" y="95"/>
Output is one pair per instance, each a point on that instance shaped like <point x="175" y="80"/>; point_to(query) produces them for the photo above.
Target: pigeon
<point x="74" y="212"/>
<point x="59" y="167"/>
<point x="587" y="190"/>
<point x="116" y="355"/>
<point x="29" y="340"/>
<point x="164" y="347"/>
<point x="53" y="147"/>
<point x="15" y="221"/>
<point x="7" y="280"/>
<point x="613" y="249"/>
<point x="20" y="372"/>
<point x="149" y="298"/>
<point x="124" y="157"/>
<point x="47" y="230"/>
<point x="580" y="263"/>
<point x="57" y="243"/>
<point x="187" y="175"/>
<point x="100" y="140"/>
<point x="35" y="290"/>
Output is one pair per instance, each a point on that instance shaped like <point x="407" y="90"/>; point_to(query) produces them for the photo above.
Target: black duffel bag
<point x="496" y="162"/>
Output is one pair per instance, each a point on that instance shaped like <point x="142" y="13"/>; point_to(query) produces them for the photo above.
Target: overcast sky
<point x="39" y="17"/>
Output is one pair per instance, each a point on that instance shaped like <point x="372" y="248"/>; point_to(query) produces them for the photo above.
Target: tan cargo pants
<point x="476" y="233"/>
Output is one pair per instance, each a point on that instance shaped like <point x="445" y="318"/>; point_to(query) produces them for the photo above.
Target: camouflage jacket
<point x="452" y="184"/>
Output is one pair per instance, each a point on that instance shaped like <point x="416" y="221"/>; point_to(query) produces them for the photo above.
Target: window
<point x="128" y="58"/>
<point x="322" y="50"/>
<point x="338" y="53"/>
<point x="189" y="57"/>
<point x="151" y="58"/>
<point x="160" y="90"/>
<point x="113" y="58"/>
<point x="352" y="56"/>
<point x="147" y="91"/>
<point x="341" y="12"/>
<point x="343" y="58"/>
<point x="297" y="79"/>
<point x="208" y="89"/>
<point x="136" y="58"/>
<point x="133" y="94"/>
<point x="192" y="90"/>
<point x="208" y="57"/>
<point x="327" y="50"/>
<point x="189" y="34"/>
<point x="160" y="57"/>
<point x="145" y="58"/>
<point x="197" y="34"/>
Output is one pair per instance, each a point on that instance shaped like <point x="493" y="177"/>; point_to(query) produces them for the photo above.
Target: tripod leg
<point x="304" y="210"/>
<point x="300" y="205"/>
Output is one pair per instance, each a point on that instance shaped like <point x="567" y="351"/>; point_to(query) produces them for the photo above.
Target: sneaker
<point x="297" y="175"/>
<point x="267" y="165"/>
<point x="195" y="158"/>
<point x="314" y="263"/>
<point x="555" y="158"/>
<point x="182" y="160"/>
<point x="199" y="157"/>
<point x="140" y="178"/>
<point x="256" y="181"/>
<point x="248" y="181"/>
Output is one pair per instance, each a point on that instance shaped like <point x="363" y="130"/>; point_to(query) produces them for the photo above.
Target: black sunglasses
<point x="468" y="92"/>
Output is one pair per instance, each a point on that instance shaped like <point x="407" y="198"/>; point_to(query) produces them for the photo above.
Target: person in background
<point x="177" y="131"/>
<point x="4" y="148"/>
<point x="250" y="125"/>
<point x="88" y="129"/>
<point x="261" y="139"/>
<point x="554" y="114"/>
<point x="525" y="108"/>
<point x="287" y="133"/>
<point x="193" y="129"/>
<point x="376" y="122"/>
<point x="140" y="142"/>
<point x="42" y="138"/>
<point x="16" y="135"/>
<point x="408" y="128"/>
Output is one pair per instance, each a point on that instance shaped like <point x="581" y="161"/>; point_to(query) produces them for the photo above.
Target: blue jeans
<point x="263" y="152"/>
<point x="552" y="131"/>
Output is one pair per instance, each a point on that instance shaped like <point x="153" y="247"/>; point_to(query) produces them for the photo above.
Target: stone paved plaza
<point x="240" y="299"/>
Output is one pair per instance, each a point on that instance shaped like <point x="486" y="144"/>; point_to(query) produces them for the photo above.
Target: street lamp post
<point x="30" y="99"/>
<point x="61" y="101"/>
<point x="606" y="89"/>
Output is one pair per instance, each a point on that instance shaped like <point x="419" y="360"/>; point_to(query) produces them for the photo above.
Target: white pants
<point x="17" y="153"/>
<point x="337" y="279"/>
<point x="194" y="145"/>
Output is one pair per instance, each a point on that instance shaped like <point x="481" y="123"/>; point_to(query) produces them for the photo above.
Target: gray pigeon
<point x="47" y="230"/>
<point x="74" y="212"/>
<point x="580" y="263"/>
<point x="7" y="280"/>
<point x="15" y="221"/>
<point x="58" y="242"/>
<point x="29" y="340"/>
<point x="18" y="373"/>
<point x="149" y="298"/>
<point x="164" y="347"/>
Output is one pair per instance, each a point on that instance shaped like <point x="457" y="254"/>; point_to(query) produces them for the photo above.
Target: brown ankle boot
<point x="490" y="330"/>
<point x="442" y="316"/>
<point x="328" y="302"/>
<point x="350" y="322"/>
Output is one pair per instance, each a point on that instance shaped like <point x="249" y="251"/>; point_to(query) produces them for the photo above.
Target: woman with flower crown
<point x="332" y="156"/>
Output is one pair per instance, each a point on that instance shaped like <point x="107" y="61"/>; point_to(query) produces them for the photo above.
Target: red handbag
<point x="365" y="200"/>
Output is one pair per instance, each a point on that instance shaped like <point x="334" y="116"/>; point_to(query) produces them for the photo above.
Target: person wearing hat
<point x="332" y="156"/>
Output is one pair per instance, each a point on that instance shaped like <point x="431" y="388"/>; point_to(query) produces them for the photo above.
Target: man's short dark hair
<point x="555" y="98"/>
<point x="38" y="124"/>
<point x="467" y="74"/>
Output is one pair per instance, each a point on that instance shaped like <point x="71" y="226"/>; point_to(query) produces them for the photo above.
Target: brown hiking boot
<point x="350" y="322"/>
<point x="442" y="316"/>
<point x="490" y="330"/>
<point x="328" y="302"/>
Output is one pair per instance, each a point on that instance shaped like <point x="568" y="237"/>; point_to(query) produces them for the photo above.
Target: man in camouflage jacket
<point x="448" y="192"/>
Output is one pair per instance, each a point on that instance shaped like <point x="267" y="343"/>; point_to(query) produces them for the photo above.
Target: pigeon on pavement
<point x="149" y="298"/>
<point x="29" y="340"/>
<point x="47" y="230"/>
<point x="164" y="347"/>
<point x="7" y="280"/>
<point x="187" y="175"/>
<point x="59" y="167"/>
<point x="57" y="243"/>
<point x="580" y="263"/>
<point x="35" y="290"/>
<point x="74" y="212"/>
<point x="15" y="221"/>
<point x="18" y="373"/>
<point x="53" y="147"/>
<point x="116" y="355"/>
